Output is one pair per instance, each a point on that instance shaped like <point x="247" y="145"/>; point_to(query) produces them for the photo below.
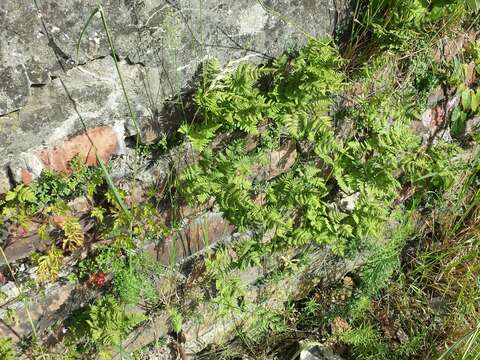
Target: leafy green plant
<point x="49" y="264"/>
<point x="133" y="276"/>
<point x="229" y="296"/>
<point x="469" y="106"/>
<point x="264" y="320"/>
<point x="303" y="90"/>
<point x="53" y="186"/>
<point x="360" y="337"/>
<point x="311" y="306"/>
<point x="98" y="213"/>
<point x="6" y="350"/>
<point x="199" y="136"/>
<point x="176" y="319"/>
<point x="386" y="259"/>
<point x="105" y="260"/>
<point x="135" y="283"/>
<point x="107" y="322"/>
<point x="397" y="24"/>
<point x="473" y="5"/>
<point x="233" y="100"/>
<point x="73" y="233"/>
<point x="21" y="194"/>
<point x="18" y="206"/>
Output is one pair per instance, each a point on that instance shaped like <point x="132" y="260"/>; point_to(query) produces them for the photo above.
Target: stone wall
<point x="50" y="98"/>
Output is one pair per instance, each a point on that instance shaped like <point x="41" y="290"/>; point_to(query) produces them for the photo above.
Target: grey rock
<point x="472" y="125"/>
<point x="48" y="94"/>
<point x="347" y="202"/>
<point x="15" y="88"/>
<point x="25" y="161"/>
<point x="9" y="291"/>
<point x="4" y="181"/>
<point x="317" y="353"/>
<point x="312" y="354"/>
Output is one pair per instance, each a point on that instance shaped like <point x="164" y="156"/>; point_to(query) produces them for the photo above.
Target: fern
<point x="370" y="165"/>
<point x="230" y="293"/>
<point x="49" y="265"/>
<point x="300" y="100"/>
<point x="108" y="323"/>
<point x="6" y="349"/>
<point x="199" y="136"/>
<point x="73" y="234"/>
<point x="362" y="336"/>
<point x="21" y="194"/>
<point x="304" y="88"/>
<point x="234" y="102"/>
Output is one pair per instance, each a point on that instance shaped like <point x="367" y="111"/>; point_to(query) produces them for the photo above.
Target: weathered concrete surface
<point x="48" y="95"/>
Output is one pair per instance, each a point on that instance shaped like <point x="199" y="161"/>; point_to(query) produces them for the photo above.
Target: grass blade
<point x="94" y="12"/>
<point x="114" y="55"/>
<point x="469" y="337"/>
<point x="112" y="187"/>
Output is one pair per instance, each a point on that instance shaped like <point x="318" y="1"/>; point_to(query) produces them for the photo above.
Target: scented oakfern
<point x="302" y="206"/>
<point x="233" y="101"/>
<point x="299" y="100"/>
<point x="304" y="87"/>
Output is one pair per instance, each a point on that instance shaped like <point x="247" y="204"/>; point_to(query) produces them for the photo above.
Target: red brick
<point x="27" y="177"/>
<point x="204" y="230"/>
<point x="104" y="138"/>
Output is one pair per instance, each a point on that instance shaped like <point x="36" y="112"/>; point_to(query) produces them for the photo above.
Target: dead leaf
<point x="339" y="325"/>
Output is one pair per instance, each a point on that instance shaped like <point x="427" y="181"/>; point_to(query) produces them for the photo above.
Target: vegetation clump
<point x="378" y="175"/>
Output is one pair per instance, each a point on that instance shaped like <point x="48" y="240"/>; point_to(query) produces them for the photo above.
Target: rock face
<point x="49" y="95"/>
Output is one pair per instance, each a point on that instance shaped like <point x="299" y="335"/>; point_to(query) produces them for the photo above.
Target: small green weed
<point x="6" y="349"/>
<point x="103" y="324"/>
<point x="176" y="319"/>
